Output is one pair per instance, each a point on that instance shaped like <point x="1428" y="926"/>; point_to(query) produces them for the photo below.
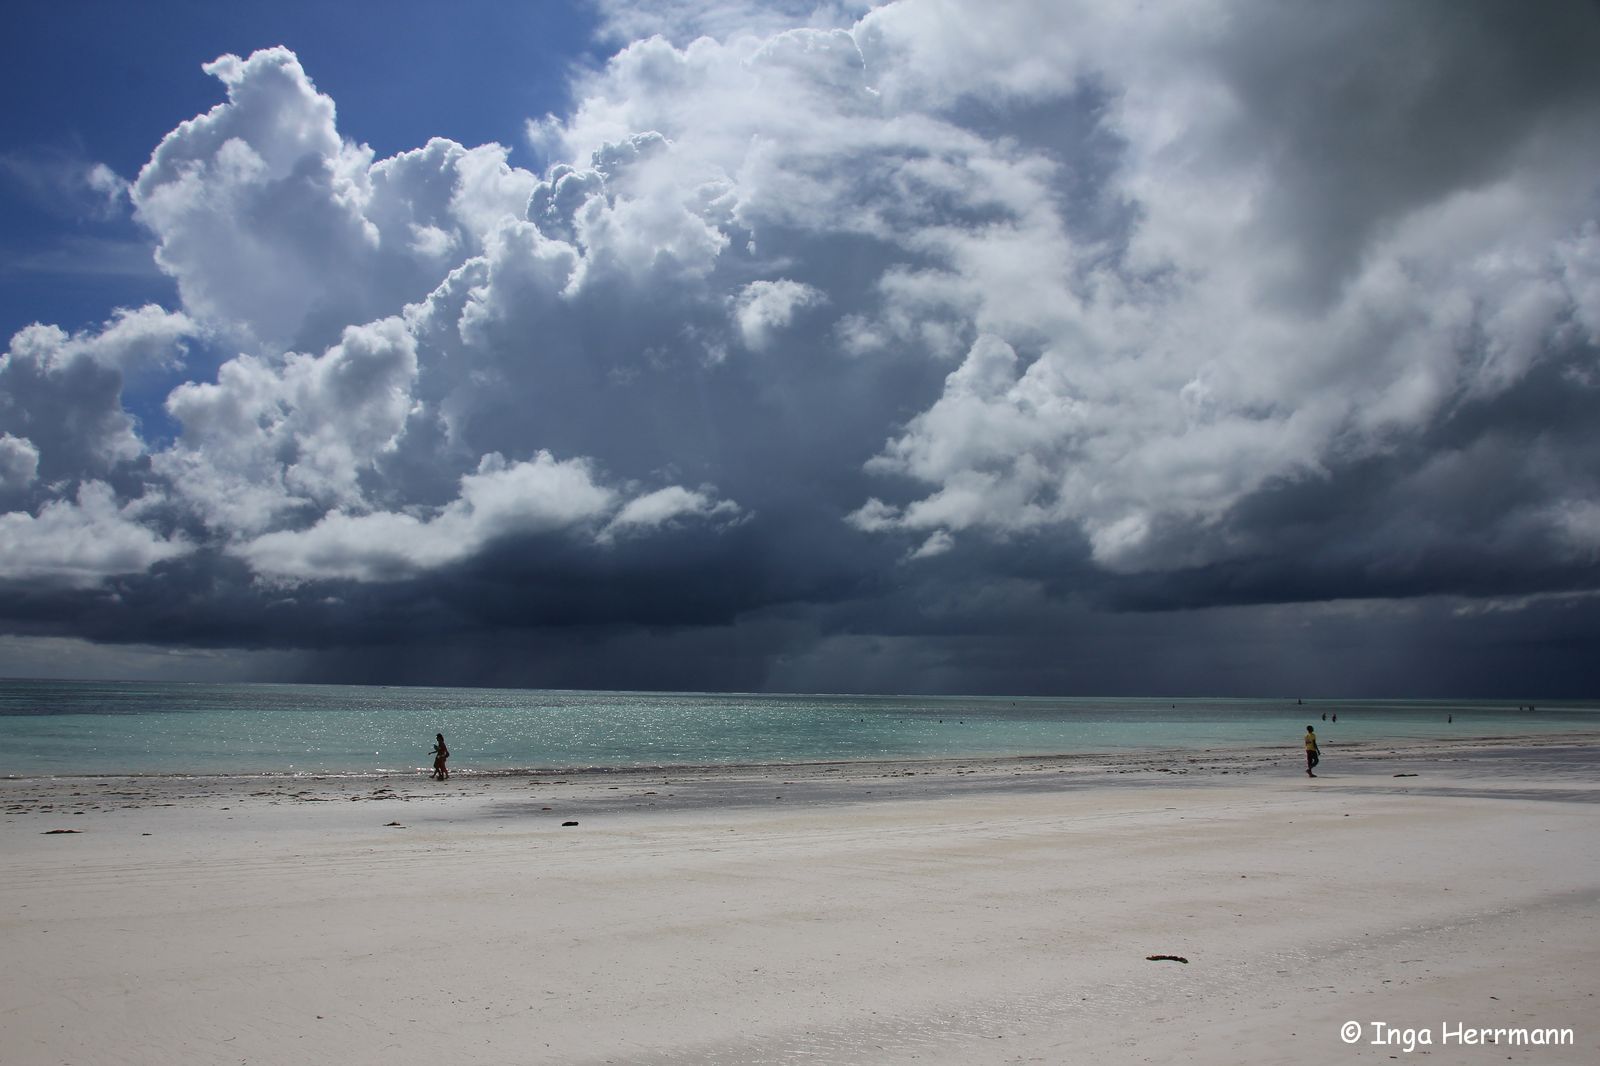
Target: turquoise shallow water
<point x="62" y="727"/>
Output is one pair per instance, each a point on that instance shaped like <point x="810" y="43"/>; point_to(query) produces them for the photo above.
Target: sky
<point x="1076" y="348"/>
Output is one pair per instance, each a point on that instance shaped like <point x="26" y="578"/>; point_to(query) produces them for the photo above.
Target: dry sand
<point x="959" y="912"/>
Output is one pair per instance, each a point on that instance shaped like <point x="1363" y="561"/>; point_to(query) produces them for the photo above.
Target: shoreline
<point x="1556" y="762"/>
<point x="1251" y="754"/>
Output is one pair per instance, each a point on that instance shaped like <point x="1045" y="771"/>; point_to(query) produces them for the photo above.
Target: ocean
<point x="90" y="728"/>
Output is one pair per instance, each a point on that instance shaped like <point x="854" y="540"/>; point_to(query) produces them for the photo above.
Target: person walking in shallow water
<point x="440" y="753"/>
<point x="1313" y="756"/>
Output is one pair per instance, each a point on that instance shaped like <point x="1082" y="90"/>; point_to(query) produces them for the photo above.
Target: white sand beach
<point x="995" y="911"/>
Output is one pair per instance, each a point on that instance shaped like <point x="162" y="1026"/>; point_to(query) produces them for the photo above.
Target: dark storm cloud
<point x="1365" y="112"/>
<point x="1041" y="348"/>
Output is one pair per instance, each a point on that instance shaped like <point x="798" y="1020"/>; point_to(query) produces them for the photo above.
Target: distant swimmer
<point x="441" y="772"/>
<point x="1313" y="755"/>
<point x="1324" y="716"/>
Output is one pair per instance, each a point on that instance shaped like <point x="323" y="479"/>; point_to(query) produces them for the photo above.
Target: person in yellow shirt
<point x="1313" y="756"/>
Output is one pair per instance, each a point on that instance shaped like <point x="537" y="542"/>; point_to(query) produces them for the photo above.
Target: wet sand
<point x="962" y="911"/>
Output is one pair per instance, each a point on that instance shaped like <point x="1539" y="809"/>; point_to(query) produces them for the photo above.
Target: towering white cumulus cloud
<point x="1175" y="286"/>
<point x="318" y="451"/>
